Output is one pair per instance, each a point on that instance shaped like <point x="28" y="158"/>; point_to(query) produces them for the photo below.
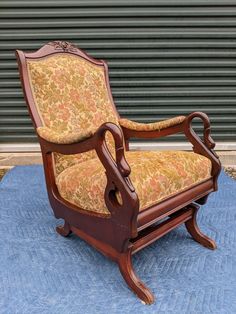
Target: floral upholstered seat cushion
<point x="155" y="176"/>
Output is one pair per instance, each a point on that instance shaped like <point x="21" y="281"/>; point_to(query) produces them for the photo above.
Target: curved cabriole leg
<point x="135" y="284"/>
<point x="195" y="232"/>
<point x="64" y="230"/>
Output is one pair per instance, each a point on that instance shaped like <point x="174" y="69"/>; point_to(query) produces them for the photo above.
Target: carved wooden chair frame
<point x="127" y="230"/>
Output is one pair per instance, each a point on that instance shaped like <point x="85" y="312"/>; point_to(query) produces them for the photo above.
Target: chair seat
<point x="155" y="176"/>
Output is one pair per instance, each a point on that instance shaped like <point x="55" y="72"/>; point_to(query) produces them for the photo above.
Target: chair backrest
<point x="66" y="90"/>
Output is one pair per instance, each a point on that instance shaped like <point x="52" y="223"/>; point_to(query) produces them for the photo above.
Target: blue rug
<point x="42" y="272"/>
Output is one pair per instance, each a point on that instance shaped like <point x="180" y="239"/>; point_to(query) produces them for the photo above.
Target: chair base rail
<point x="145" y="237"/>
<point x="151" y="215"/>
<point x="153" y="233"/>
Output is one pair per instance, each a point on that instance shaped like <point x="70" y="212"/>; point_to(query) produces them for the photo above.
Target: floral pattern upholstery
<point x="73" y="101"/>
<point x="156" y="126"/>
<point x="63" y="137"/>
<point x="155" y="176"/>
<point x="71" y="96"/>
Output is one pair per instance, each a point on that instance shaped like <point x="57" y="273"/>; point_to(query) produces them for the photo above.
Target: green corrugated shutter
<point x="165" y="57"/>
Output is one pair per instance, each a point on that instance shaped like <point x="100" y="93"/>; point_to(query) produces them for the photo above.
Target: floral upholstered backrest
<point x="70" y="94"/>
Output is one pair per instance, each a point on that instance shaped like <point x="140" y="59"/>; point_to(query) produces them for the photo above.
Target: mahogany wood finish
<point x="195" y="232"/>
<point x="126" y="230"/>
<point x="64" y="230"/>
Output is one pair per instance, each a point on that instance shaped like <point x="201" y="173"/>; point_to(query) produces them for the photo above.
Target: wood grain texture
<point x="126" y="230"/>
<point x="195" y="232"/>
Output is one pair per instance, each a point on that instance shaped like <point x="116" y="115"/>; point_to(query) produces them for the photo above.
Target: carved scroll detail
<point x="208" y="141"/>
<point x="62" y="45"/>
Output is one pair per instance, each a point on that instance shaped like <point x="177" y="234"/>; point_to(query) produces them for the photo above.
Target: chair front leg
<point x="132" y="280"/>
<point x="124" y="212"/>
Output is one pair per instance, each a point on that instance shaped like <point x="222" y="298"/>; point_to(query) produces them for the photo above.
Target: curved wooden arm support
<point x="125" y="214"/>
<point x="206" y="146"/>
<point x="117" y="171"/>
<point x="116" y="132"/>
<point x="208" y="141"/>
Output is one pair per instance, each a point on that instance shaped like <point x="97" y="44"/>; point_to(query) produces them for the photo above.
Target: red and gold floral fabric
<point x="63" y="137"/>
<point x="155" y="176"/>
<point x="71" y="95"/>
<point x="156" y="126"/>
<point x="73" y="101"/>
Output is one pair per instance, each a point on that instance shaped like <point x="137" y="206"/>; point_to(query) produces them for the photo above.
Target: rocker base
<point x="197" y="235"/>
<point x="64" y="230"/>
<point x="135" y="284"/>
<point x="145" y="237"/>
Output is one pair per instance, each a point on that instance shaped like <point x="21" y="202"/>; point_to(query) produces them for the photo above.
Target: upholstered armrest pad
<point x="156" y="126"/>
<point x="63" y="137"/>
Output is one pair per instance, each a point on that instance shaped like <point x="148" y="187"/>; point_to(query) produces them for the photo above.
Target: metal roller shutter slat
<point x="165" y="57"/>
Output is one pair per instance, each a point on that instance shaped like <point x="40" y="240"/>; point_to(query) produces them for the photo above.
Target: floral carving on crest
<point x="63" y="45"/>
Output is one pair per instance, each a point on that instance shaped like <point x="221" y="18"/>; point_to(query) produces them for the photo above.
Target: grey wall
<point x="165" y="57"/>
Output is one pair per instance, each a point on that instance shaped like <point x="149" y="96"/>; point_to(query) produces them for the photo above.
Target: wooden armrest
<point x="64" y="137"/>
<point x="117" y="170"/>
<point x="208" y="141"/>
<point x="156" y="126"/>
<point x="203" y="147"/>
<point x="74" y="143"/>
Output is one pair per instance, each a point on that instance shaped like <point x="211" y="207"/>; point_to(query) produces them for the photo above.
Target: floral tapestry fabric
<point x="62" y="162"/>
<point x="63" y="137"/>
<point x="155" y="176"/>
<point x="156" y="126"/>
<point x="71" y="95"/>
<point x="73" y="102"/>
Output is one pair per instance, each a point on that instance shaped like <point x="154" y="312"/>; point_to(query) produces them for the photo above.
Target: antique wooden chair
<point x="117" y="200"/>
